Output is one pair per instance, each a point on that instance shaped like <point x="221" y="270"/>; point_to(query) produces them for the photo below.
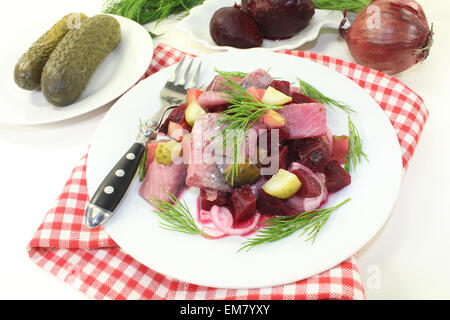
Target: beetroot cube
<point x="311" y="152"/>
<point x="340" y="149"/>
<point x="310" y="186"/>
<point x="336" y="177"/>
<point x="176" y="115"/>
<point x="283" y="134"/>
<point x="283" y="157"/>
<point x="298" y="97"/>
<point x="270" y="205"/>
<point x="243" y="204"/>
<point x="282" y="86"/>
<point x="209" y="198"/>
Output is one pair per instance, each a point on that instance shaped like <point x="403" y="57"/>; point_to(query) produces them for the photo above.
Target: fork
<point x="173" y="94"/>
<point x="114" y="187"/>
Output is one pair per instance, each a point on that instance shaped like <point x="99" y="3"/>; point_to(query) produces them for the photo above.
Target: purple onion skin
<point x="389" y="35"/>
<point x="280" y="19"/>
<point x="231" y="26"/>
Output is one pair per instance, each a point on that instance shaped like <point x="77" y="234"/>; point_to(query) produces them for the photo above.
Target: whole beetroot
<point x="233" y="27"/>
<point x="280" y="19"/>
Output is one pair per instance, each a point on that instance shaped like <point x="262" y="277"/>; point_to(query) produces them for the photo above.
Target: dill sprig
<point x="312" y="92"/>
<point x="310" y="222"/>
<point x="142" y="169"/>
<point x="145" y="11"/>
<point x="243" y="112"/>
<point x="175" y="214"/>
<point x="355" y="153"/>
<point x="341" y="5"/>
<point x="233" y="74"/>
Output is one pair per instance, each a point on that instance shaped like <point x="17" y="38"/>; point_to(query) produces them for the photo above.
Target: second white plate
<point x="196" y="24"/>
<point x="121" y="69"/>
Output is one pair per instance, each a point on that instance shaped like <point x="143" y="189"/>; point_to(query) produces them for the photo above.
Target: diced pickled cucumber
<point x="282" y="185"/>
<point x="193" y="111"/>
<point x="247" y="173"/>
<point x="274" y="97"/>
<point x="166" y="150"/>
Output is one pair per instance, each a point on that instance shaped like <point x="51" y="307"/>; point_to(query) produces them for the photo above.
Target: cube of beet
<point x="271" y="206"/>
<point x="311" y="152"/>
<point x="283" y="134"/>
<point x="283" y="157"/>
<point x="336" y="177"/>
<point x="299" y="97"/>
<point x="340" y="149"/>
<point x="209" y="198"/>
<point x="282" y="86"/>
<point x="310" y="186"/>
<point x="176" y="115"/>
<point x="243" y="204"/>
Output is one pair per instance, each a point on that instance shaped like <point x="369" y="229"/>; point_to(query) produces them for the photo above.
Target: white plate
<point x="196" y="24"/>
<point x="217" y="263"/>
<point x="121" y="69"/>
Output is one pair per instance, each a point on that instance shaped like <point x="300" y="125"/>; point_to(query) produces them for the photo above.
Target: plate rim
<point x="367" y="240"/>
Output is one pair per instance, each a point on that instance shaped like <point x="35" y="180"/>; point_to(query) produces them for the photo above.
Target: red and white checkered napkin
<point x="91" y="261"/>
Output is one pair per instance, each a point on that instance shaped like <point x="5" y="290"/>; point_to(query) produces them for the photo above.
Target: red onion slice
<point x="223" y="220"/>
<point x="213" y="233"/>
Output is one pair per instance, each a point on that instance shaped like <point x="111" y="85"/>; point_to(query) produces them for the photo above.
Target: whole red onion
<point x="389" y="35"/>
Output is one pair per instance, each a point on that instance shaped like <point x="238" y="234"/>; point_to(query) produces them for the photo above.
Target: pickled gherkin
<point x="77" y="56"/>
<point x="166" y="151"/>
<point x="246" y="173"/>
<point x="28" y="70"/>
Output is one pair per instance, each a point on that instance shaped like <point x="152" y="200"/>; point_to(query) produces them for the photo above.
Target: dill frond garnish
<point x="312" y="92"/>
<point x="310" y="223"/>
<point x="244" y="111"/>
<point x="175" y="214"/>
<point x="142" y="169"/>
<point x="355" y="148"/>
<point x="233" y="74"/>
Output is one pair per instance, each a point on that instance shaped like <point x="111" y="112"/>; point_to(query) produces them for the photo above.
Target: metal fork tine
<point x="175" y="74"/>
<point x="182" y="80"/>
<point x="185" y="76"/>
<point x="193" y="83"/>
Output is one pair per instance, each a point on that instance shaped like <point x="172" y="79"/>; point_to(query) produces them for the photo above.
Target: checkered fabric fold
<point x="93" y="263"/>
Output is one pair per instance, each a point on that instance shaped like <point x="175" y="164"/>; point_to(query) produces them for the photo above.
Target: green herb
<point x="145" y="11"/>
<point x="154" y="35"/>
<point x="355" y="153"/>
<point x="233" y="74"/>
<point x="341" y="5"/>
<point x="310" y="222"/>
<point x="142" y="169"/>
<point x="243" y="112"/>
<point x="176" y="215"/>
<point x="312" y="92"/>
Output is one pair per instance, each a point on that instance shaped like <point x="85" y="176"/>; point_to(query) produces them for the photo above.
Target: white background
<point x="408" y="259"/>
